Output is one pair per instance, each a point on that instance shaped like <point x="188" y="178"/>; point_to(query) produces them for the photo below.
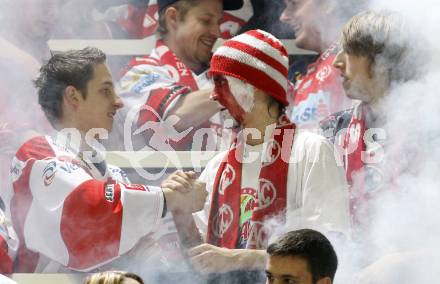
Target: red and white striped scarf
<point x="223" y="225"/>
<point x="354" y="147"/>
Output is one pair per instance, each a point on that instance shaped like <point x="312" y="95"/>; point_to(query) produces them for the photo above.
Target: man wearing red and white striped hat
<point x="271" y="171"/>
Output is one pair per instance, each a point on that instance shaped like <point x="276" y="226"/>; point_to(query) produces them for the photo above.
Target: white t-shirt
<point x="317" y="191"/>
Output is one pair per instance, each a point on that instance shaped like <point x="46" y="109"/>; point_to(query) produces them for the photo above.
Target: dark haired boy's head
<point x="302" y="256"/>
<point x="75" y="89"/>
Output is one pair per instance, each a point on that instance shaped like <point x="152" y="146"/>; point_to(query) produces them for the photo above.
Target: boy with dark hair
<point x="64" y="193"/>
<point x="304" y="256"/>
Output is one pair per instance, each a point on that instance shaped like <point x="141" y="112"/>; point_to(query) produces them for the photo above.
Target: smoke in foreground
<point x="406" y="230"/>
<point x="402" y="243"/>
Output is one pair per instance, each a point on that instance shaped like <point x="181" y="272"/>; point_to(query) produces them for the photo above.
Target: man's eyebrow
<point x="209" y="14"/>
<point x="109" y="83"/>
<point x="290" y="276"/>
<point x="296" y="278"/>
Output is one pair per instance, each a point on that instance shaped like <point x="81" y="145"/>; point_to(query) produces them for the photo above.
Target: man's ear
<point x="325" y="280"/>
<point x="71" y="97"/>
<point x="171" y="18"/>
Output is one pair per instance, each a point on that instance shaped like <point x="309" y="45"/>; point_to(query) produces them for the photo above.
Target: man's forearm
<point x="194" y="109"/>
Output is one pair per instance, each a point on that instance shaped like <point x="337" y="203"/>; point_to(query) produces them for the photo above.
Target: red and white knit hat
<point x="256" y="57"/>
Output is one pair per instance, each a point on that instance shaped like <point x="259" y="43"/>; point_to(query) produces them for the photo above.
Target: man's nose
<point x="215" y="30"/>
<point x="118" y="102"/>
<point x="339" y="61"/>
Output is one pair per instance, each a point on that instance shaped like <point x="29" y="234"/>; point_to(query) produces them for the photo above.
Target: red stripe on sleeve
<point x="37" y="148"/>
<point x="91" y="224"/>
<point x="153" y="106"/>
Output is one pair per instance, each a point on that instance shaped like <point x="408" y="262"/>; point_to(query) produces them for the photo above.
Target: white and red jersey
<point x="150" y="88"/>
<point x="319" y="92"/>
<point x="73" y="214"/>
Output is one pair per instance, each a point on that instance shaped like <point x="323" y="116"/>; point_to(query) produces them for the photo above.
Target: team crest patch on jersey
<point x="49" y="173"/>
<point x="110" y="192"/>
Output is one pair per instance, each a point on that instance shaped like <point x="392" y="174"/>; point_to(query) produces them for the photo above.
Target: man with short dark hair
<point x="172" y="79"/>
<point x="70" y="209"/>
<point x="304" y="257"/>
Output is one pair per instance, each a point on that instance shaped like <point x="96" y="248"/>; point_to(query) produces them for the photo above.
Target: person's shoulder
<point x="139" y="63"/>
<point x="148" y="60"/>
<point x="38" y="147"/>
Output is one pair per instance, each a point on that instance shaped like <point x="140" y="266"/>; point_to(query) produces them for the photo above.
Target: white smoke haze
<point x="404" y="242"/>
